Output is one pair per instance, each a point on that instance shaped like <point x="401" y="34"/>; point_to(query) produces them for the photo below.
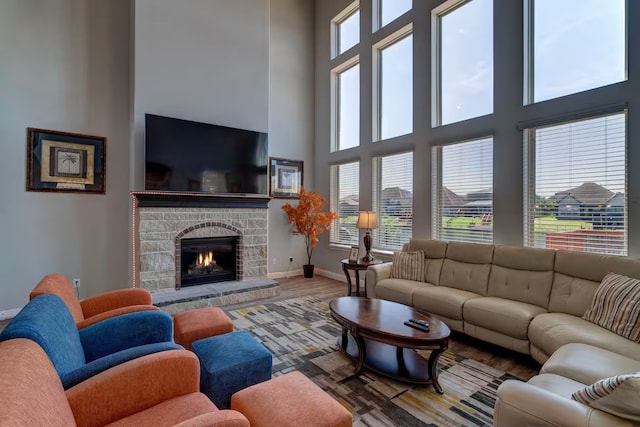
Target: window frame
<point x="345" y="14"/>
<point x="334" y="203"/>
<point x="335" y="101"/>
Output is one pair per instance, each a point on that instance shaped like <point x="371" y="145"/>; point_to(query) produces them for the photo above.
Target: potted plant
<point x="310" y="221"/>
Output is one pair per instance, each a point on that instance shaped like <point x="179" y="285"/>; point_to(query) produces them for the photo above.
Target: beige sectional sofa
<point x="526" y="299"/>
<point x="531" y="301"/>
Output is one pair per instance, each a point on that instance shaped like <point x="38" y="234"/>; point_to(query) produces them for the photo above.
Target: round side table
<point x="356" y="267"/>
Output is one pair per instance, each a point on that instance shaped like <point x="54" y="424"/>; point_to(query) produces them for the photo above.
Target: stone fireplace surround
<point x="161" y="219"/>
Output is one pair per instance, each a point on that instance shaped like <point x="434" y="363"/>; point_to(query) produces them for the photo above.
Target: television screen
<point x="182" y="155"/>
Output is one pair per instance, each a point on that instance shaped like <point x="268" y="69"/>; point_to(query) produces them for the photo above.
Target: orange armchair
<point x="97" y="308"/>
<point x="157" y="390"/>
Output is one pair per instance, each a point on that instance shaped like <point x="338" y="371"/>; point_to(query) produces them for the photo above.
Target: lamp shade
<point x="367" y="219"/>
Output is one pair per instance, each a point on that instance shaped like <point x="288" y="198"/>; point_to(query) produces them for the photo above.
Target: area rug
<point x="302" y="336"/>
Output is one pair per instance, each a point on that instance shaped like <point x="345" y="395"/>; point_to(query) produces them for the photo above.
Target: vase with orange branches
<point x="309" y="220"/>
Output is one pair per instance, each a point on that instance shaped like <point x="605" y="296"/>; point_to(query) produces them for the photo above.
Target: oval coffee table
<point x="380" y="341"/>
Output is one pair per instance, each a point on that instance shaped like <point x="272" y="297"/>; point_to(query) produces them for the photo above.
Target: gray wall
<point x="508" y="110"/>
<point x="96" y="67"/>
<point x="290" y="117"/>
<point x="65" y="67"/>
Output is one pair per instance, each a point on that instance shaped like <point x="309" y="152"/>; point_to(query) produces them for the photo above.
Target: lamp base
<point x="367" y="246"/>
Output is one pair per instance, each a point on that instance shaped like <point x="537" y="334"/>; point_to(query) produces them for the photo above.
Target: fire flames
<point x="205" y="260"/>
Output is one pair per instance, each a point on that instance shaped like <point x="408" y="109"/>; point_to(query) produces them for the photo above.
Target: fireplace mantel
<point x="158" y="199"/>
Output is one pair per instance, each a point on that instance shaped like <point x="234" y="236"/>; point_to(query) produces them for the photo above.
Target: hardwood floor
<point x="520" y="365"/>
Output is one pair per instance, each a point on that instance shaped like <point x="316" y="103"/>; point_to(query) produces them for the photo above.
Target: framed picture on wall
<point x="65" y="162"/>
<point x="285" y="178"/>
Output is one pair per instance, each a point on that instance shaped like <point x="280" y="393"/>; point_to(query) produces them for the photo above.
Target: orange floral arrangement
<point x="308" y="218"/>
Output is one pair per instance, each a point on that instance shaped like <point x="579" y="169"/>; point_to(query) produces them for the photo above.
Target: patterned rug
<point x="302" y="336"/>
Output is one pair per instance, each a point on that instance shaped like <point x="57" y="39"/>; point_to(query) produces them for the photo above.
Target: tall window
<point x="395" y="85"/>
<point x="463" y="191"/>
<point x="389" y="10"/>
<point x="346" y="106"/>
<point x="575" y="180"/>
<point x="463" y="44"/>
<point x="575" y="45"/>
<point x="345" y="200"/>
<point x="393" y="200"/>
<point x="346" y="29"/>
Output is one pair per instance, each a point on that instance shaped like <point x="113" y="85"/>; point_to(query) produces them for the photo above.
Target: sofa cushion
<point x="508" y="317"/>
<point x="58" y="284"/>
<point x="618" y="395"/>
<point x="556" y="384"/>
<point x="522" y="274"/>
<point x="616" y="306"/>
<point x="398" y="290"/>
<point x="550" y="331"/>
<point x="578" y="275"/>
<point x="467" y="267"/>
<point x="587" y="364"/>
<point x="408" y="266"/>
<point x="434" y="252"/>
<point x="440" y="300"/>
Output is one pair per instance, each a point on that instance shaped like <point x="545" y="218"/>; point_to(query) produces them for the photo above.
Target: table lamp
<point x="367" y="220"/>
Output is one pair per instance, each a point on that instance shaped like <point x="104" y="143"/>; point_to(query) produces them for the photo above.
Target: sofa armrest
<point x="115" y="299"/>
<point x="223" y="418"/>
<point x="126" y="331"/>
<point x="102" y="364"/>
<point x="522" y="405"/>
<point x="134" y="386"/>
<point x="114" y="313"/>
<point x="376" y="273"/>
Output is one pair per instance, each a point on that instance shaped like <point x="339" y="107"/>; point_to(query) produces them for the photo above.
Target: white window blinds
<point x="345" y="200"/>
<point x="393" y="200"/>
<point x="575" y="177"/>
<point x="463" y="191"/>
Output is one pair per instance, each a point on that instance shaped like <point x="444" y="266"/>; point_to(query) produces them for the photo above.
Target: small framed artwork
<point x="353" y="254"/>
<point x="65" y="162"/>
<point x="285" y="178"/>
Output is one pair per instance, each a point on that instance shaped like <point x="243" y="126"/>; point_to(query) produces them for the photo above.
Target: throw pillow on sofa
<point x="619" y="395"/>
<point x="408" y="265"/>
<point x="616" y="306"/>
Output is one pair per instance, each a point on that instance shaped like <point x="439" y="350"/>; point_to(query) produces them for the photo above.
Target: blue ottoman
<point x="229" y="363"/>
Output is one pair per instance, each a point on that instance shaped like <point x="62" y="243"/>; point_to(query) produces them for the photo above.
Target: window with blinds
<point x="345" y="200"/>
<point x="393" y="200"/>
<point x="463" y="191"/>
<point x="575" y="186"/>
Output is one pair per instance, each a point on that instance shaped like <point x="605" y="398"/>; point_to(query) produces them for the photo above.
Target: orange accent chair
<point x="96" y="308"/>
<point x="157" y="390"/>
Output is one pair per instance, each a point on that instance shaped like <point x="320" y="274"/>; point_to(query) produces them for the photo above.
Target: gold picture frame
<point x="65" y="162"/>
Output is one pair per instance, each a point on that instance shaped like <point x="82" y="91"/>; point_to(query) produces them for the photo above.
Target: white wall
<point x="65" y="67"/>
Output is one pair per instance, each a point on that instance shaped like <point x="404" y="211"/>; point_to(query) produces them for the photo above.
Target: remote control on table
<point x="416" y="325"/>
<point x="419" y="321"/>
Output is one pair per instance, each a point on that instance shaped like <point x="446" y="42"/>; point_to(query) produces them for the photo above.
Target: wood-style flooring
<point x="520" y="365"/>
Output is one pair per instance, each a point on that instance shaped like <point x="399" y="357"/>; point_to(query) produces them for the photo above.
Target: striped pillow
<point x="619" y="395"/>
<point x="408" y="265"/>
<point x="616" y="306"/>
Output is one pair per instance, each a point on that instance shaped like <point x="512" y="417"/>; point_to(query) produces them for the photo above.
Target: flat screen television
<point x="182" y="155"/>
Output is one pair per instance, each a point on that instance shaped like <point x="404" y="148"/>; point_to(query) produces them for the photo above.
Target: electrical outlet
<point x="76" y="283"/>
<point x="274" y="260"/>
<point x="291" y="259"/>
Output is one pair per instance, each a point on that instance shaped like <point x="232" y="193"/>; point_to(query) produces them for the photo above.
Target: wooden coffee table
<point x="380" y="341"/>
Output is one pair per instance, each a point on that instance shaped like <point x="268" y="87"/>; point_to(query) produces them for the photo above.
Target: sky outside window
<point x="396" y="98"/>
<point x="578" y="45"/>
<point x="391" y="9"/>
<point x="349" y="108"/>
<point x="349" y="32"/>
<point x="466" y="62"/>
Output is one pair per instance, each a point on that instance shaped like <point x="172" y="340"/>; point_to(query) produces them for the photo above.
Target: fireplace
<point x="208" y="260"/>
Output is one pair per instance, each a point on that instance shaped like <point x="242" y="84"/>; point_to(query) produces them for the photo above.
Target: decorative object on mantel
<point x="285" y="178"/>
<point x="367" y="220"/>
<point x="65" y="162"/>
<point x="310" y="221"/>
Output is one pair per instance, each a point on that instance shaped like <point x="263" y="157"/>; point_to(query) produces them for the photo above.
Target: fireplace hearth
<point x="208" y="260"/>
